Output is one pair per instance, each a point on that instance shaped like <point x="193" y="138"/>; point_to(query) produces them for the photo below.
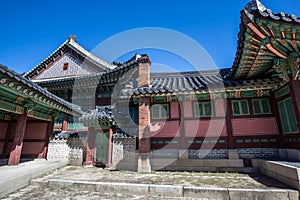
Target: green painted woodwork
<point x="160" y="111"/>
<point x="261" y="106"/>
<point x="204" y="96"/>
<point x="247" y="94"/>
<point x="287" y="116"/>
<point x="159" y="99"/>
<point x="15" y="92"/>
<point x="10" y="107"/>
<point x="240" y="107"/>
<point x="203" y="109"/>
<point x="282" y="91"/>
<point x="39" y="115"/>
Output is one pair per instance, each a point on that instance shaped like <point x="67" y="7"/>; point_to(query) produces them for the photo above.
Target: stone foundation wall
<point x="71" y="149"/>
<point x="270" y="153"/>
<point x="123" y="150"/>
<point x="207" y="153"/>
<point x="165" y="153"/>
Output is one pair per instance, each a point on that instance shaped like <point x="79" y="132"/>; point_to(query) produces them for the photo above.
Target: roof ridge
<point x="72" y="43"/>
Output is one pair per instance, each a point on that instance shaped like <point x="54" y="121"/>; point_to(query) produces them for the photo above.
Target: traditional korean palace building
<point x="27" y="116"/>
<point x="207" y="120"/>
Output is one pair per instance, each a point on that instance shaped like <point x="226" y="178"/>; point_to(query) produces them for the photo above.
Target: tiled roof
<point x="72" y="44"/>
<point x="195" y="81"/>
<point x="256" y="7"/>
<point x="100" y="114"/>
<point x="19" y="78"/>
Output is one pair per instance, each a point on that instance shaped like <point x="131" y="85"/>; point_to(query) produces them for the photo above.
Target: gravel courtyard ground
<point x="201" y="179"/>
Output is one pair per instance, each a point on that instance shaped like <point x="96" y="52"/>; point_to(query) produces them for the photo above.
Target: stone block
<point x="166" y="190"/>
<point x="183" y="154"/>
<point x="123" y="188"/>
<point x="233" y="154"/>
<point x="206" y="193"/>
<point x="144" y="163"/>
<point x="293" y="155"/>
<point x="293" y="195"/>
<point x="246" y="194"/>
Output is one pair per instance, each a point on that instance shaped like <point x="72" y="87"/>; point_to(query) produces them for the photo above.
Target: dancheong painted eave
<point x="265" y="39"/>
<point x="19" y="86"/>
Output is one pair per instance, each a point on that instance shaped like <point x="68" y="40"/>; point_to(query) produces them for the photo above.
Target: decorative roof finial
<point x="260" y="6"/>
<point x="72" y="37"/>
<point x="255" y="5"/>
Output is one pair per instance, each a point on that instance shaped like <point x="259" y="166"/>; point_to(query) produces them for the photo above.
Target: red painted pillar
<point x="110" y="147"/>
<point x="90" y="147"/>
<point x="15" y="154"/>
<point x="295" y="87"/>
<point x="9" y="132"/>
<point x="65" y="123"/>
<point x="49" y="130"/>
<point x="231" y="144"/>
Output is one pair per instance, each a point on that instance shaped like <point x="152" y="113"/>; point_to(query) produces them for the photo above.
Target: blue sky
<point x="32" y="29"/>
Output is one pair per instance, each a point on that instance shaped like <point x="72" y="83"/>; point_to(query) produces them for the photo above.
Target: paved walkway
<point x="13" y="178"/>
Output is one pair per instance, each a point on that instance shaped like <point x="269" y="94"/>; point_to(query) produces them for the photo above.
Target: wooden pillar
<point x="90" y="147"/>
<point x="231" y="144"/>
<point x="295" y="88"/>
<point x="49" y="130"/>
<point x="9" y="132"/>
<point x="65" y="123"/>
<point x="15" y="154"/>
<point x="110" y="147"/>
<point x="144" y="116"/>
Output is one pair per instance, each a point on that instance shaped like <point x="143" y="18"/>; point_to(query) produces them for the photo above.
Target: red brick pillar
<point x="65" y="123"/>
<point x="144" y="116"/>
<point x="49" y="130"/>
<point x="90" y="147"/>
<point x="15" y="154"/>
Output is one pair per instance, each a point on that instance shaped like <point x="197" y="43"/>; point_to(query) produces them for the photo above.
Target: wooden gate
<point x="101" y="148"/>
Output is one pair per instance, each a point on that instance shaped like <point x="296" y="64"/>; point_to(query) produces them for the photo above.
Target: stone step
<point x="172" y="190"/>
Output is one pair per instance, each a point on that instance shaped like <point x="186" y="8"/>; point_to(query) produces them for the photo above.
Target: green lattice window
<point x="287" y="116"/>
<point x="160" y="111"/>
<point x="203" y="109"/>
<point x="261" y="106"/>
<point x="240" y="107"/>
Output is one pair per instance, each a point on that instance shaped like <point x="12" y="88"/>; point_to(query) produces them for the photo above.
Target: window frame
<point x="160" y="117"/>
<point x="202" y="103"/>
<point x="261" y="106"/>
<point x="240" y="107"/>
<point x="288" y="120"/>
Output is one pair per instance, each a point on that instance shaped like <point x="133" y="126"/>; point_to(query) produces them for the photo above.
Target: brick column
<point x="15" y="154"/>
<point x="90" y="147"/>
<point x="144" y="116"/>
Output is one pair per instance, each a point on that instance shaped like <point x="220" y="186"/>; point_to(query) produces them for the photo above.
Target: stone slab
<point x="13" y="178"/>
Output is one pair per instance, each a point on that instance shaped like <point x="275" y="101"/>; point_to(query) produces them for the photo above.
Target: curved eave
<point x="262" y="40"/>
